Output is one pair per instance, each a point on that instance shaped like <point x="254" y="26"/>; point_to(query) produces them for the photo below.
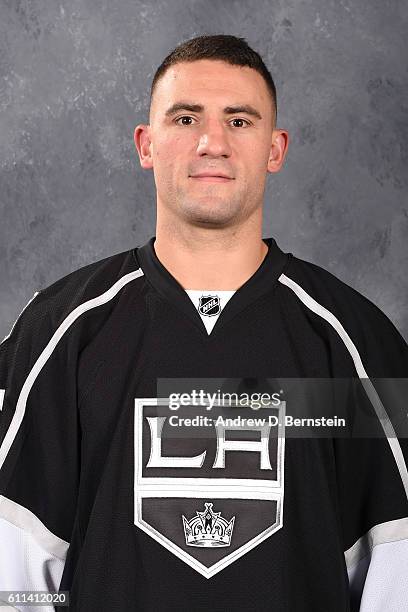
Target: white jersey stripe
<point x="365" y="381"/>
<point x="14" y="324"/>
<point x="390" y="531"/>
<point x="47" y="352"/>
<point x="30" y="524"/>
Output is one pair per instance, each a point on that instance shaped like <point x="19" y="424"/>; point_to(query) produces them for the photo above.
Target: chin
<point x="202" y="219"/>
<point x="207" y="222"/>
<point x="213" y="210"/>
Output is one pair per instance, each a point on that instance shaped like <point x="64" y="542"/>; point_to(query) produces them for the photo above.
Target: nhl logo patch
<point x="209" y="494"/>
<point x="209" y="305"/>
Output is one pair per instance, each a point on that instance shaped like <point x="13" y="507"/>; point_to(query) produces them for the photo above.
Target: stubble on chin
<point x="214" y="211"/>
<point x="210" y="207"/>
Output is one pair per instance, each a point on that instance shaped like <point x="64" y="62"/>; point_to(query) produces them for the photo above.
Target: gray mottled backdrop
<point x="74" y="80"/>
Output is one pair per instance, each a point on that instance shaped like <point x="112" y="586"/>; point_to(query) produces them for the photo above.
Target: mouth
<point x="211" y="178"/>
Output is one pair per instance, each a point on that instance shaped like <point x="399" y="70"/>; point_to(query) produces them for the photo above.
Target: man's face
<point x="209" y="142"/>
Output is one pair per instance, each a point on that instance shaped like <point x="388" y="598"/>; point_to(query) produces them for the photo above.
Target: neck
<point x="211" y="259"/>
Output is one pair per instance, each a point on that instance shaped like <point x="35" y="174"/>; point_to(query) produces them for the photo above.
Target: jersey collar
<point x="262" y="281"/>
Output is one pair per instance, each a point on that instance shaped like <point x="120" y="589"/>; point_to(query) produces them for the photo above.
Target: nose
<point x="214" y="140"/>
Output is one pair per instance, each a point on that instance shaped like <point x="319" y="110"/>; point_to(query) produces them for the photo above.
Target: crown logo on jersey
<point x="209" y="305"/>
<point x="208" y="529"/>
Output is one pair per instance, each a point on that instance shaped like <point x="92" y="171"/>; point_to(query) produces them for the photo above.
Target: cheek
<point x="256" y="161"/>
<point x="170" y="162"/>
<point x="169" y="152"/>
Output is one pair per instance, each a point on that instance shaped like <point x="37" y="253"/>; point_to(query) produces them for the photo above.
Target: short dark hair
<point x="230" y="49"/>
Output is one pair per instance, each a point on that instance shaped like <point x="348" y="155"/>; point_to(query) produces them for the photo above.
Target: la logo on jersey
<point x="208" y="494"/>
<point x="209" y="305"/>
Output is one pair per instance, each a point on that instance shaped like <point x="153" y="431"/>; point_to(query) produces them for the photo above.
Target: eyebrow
<point x="198" y="108"/>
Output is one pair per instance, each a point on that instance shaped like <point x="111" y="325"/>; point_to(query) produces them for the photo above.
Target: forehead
<point x="209" y="81"/>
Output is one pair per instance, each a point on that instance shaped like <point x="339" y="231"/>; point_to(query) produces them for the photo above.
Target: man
<point x="101" y="494"/>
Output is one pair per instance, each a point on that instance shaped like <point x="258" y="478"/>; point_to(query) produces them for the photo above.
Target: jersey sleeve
<point x="372" y="474"/>
<point x="39" y="449"/>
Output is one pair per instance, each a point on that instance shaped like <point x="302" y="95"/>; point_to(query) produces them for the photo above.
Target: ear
<point x="143" y="145"/>
<point x="279" y="147"/>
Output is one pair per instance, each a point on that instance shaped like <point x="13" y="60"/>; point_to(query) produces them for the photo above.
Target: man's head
<point x="213" y="112"/>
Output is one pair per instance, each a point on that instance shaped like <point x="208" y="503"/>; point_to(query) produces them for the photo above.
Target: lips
<point x="214" y="176"/>
<point x="211" y="174"/>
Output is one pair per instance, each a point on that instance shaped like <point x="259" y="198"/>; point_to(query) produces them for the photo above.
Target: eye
<point x="185" y="120"/>
<point x="242" y="121"/>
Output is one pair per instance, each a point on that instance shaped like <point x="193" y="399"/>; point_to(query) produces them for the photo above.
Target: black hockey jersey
<point x="106" y="492"/>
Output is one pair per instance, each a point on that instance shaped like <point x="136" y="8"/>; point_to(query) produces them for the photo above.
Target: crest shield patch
<point x="209" y="305"/>
<point x="208" y="493"/>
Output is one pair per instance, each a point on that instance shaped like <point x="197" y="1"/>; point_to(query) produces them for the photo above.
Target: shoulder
<point x="329" y="291"/>
<point x="63" y="301"/>
<point x="92" y="280"/>
<point x="344" y="308"/>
